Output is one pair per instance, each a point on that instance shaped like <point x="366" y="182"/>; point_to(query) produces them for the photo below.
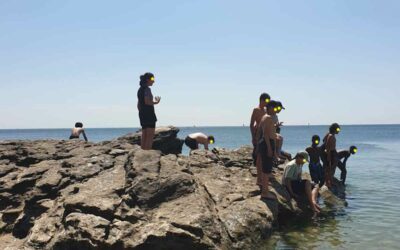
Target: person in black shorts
<point x="266" y="151"/>
<point x="343" y="156"/>
<point x="315" y="167"/>
<point x="193" y="140"/>
<point x="147" y="114"/>
<point x="77" y="131"/>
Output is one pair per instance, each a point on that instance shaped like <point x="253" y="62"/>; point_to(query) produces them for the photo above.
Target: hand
<point x="158" y="99"/>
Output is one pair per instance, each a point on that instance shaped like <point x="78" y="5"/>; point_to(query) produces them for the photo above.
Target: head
<point x="147" y="79"/>
<point x="264" y="99"/>
<point x="315" y="140"/>
<point x="78" y="125"/>
<point x="272" y="108"/>
<point x="353" y="150"/>
<point x="280" y="106"/>
<point x="211" y="139"/>
<point x="334" y="129"/>
<point x="301" y="158"/>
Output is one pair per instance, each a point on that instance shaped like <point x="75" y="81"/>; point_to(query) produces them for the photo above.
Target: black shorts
<point x="191" y="143"/>
<point x="299" y="186"/>
<point x="147" y="119"/>
<point x="266" y="162"/>
<point x="73" y="137"/>
<point x="151" y="125"/>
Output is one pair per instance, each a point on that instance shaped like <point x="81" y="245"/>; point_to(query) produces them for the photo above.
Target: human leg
<point x="143" y="138"/>
<point x="150" y="137"/>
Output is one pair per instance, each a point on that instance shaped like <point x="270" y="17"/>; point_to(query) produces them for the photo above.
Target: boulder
<point x="165" y="140"/>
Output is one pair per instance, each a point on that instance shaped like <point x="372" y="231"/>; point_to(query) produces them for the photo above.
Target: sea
<point x="370" y="221"/>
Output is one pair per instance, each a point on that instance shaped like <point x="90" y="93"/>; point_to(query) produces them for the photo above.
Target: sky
<point x="327" y="61"/>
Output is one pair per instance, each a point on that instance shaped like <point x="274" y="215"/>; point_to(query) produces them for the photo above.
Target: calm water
<point x="372" y="219"/>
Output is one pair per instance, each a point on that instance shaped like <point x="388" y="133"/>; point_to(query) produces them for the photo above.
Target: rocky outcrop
<point x="113" y="195"/>
<point x="165" y="140"/>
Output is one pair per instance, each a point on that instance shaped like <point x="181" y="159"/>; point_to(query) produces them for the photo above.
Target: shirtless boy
<point x="258" y="113"/>
<point x="77" y="131"/>
<point x="330" y="153"/>
<point x="343" y="156"/>
<point x="193" y="140"/>
<point x="266" y="152"/>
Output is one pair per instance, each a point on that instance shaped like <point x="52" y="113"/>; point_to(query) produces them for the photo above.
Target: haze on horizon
<point x="62" y="62"/>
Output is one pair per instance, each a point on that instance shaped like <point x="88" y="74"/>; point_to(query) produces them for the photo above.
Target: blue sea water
<point x="372" y="218"/>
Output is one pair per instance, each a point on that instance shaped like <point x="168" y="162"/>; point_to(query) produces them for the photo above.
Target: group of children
<point x="267" y="142"/>
<point x="267" y="153"/>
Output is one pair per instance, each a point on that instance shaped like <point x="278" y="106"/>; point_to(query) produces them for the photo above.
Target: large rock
<point x="165" y="140"/>
<point x="113" y="195"/>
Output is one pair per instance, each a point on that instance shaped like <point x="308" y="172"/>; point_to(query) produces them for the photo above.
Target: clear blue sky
<point x="327" y="61"/>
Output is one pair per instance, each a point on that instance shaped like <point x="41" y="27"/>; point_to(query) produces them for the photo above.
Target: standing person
<point x="258" y="113"/>
<point x="147" y="114"/>
<point x="315" y="167"/>
<point x="343" y="156"/>
<point x="278" y="125"/>
<point x="77" y="131"/>
<point x="295" y="185"/>
<point x="193" y="140"/>
<point x="266" y="150"/>
<point x="330" y="155"/>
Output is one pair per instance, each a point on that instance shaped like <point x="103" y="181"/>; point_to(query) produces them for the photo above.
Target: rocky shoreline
<point x="113" y="195"/>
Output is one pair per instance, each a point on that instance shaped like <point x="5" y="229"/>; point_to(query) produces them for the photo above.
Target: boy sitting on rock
<point x="297" y="187"/>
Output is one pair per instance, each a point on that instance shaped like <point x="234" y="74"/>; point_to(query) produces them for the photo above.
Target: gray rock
<point x="113" y="195"/>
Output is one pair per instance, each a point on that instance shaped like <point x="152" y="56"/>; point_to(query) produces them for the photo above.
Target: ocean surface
<point x="372" y="218"/>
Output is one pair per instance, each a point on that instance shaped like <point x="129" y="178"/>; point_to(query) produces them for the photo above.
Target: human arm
<point x="345" y="160"/>
<point x="253" y="128"/>
<point x="84" y="135"/>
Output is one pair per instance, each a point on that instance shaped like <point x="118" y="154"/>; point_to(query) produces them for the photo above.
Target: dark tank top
<point x="146" y="112"/>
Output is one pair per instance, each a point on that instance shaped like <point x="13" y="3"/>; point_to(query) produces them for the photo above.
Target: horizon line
<point x="206" y="126"/>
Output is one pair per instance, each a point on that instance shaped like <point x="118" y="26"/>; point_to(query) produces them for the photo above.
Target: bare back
<point x="200" y="138"/>
<point x="76" y="132"/>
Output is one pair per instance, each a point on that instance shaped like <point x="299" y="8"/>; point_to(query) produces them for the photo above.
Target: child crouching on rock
<point x="297" y="187"/>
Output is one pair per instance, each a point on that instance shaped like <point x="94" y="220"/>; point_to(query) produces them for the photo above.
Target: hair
<point x="211" y="138"/>
<point x="298" y="155"/>
<point x="78" y="125"/>
<point x="144" y="78"/>
<point x="333" y="127"/>
<point x="272" y="104"/>
<point x="264" y="96"/>
<point x="315" y="137"/>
